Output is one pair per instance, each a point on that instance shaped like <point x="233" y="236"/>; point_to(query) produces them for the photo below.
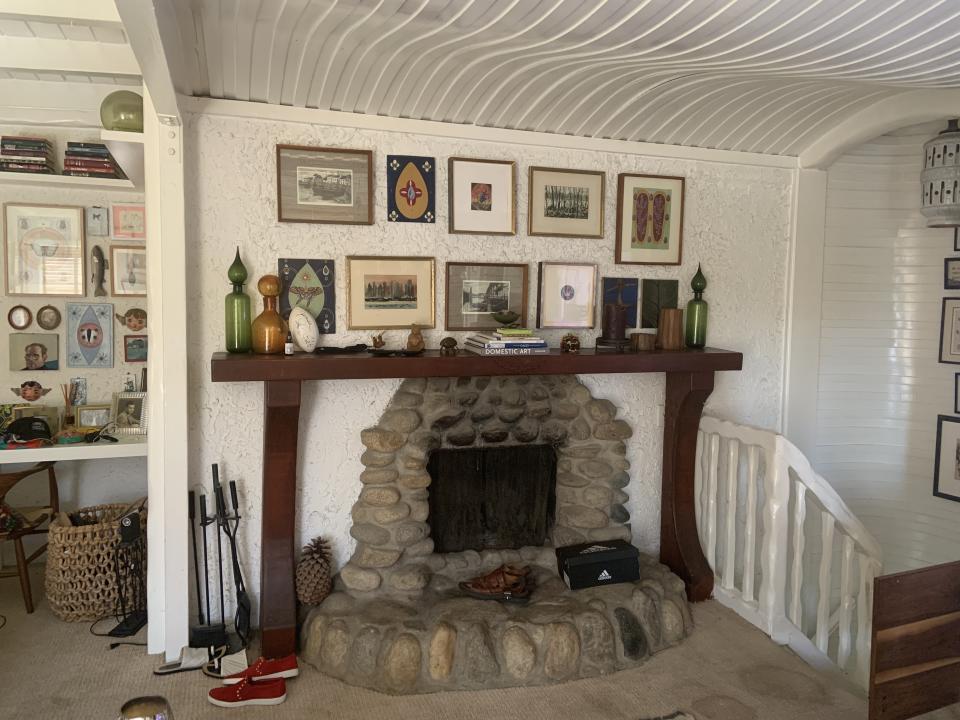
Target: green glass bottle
<point x="237" y="309"/>
<point x="696" y="329"/>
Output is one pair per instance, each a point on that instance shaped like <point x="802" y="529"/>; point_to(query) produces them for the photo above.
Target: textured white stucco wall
<point x="737" y="224"/>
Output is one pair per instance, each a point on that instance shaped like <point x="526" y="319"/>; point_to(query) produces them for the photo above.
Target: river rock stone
<point x="567" y="536"/>
<point x="359" y="579"/>
<point x="580" y="516"/>
<point x="336" y="645"/>
<point x="364" y="652"/>
<point x="467" y="397"/>
<point x="401" y="666"/>
<point x="583" y="451"/>
<point x="481" y="383"/>
<point x="378" y="476"/>
<point x="597" y="496"/>
<point x="479" y="661"/>
<point x="539" y="411"/>
<point x="373" y="557"/>
<point x="562" y="650"/>
<point x="494" y="433"/>
<point x="481" y="413"/>
<point x="379" y="496"/>
<point x="526" y="430"/>
<point x="381" y="440"/>
<point x="416" y="480"/>
<point x="372" y="458"/>
<point x="580" y="395"/>
<point x="601" y="410"/>
<point x="565" y="410"/>
<point x="462" y="434"/>
<point x="407" y="399"/>
<point x="413" y="385"/>
<point x="616" y="430"/>
<point x="579" y="429"/>
<point x="393" y="513"/>
<point x="631" y="634"/>
<point x="553" y="432"/>
<point x="571" y="480"/>
<point x="538" y="392"/>
<point x="519" y="652"/>
<point x="595" y="469"/>
<point x="611" y="532"/>
<point x="514" y="396"/>
<point x="597" y="640"/>
<point x="510" y="414"/>
<point x="410" y="578"/>
<point x="401" y="421"/>
<point x="411" y="532"/>
<point x="619" y="513"/>
<point x="620" y="480"/>
<point x="672" y="622"/>
<point x="424" y="441"/>
<point x="443" y="646"/>
<point x="421" y="548"/>
<point x="419" y="510"/>
<point x="370" y="533"/>
<point x="646" y="607"/>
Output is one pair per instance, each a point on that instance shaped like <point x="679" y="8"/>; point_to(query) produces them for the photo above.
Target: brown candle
<point x="614" y="321"/>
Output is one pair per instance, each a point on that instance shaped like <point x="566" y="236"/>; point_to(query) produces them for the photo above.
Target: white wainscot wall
<point x="737" y="225"/>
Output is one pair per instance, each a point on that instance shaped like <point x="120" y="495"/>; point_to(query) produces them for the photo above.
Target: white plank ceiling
<point x="755" y="75"/>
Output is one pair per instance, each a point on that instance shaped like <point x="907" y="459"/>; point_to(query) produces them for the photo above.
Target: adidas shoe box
<point x="598" y="563"/>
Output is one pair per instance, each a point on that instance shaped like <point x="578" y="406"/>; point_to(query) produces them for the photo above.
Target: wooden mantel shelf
<point x="688" y="385"/>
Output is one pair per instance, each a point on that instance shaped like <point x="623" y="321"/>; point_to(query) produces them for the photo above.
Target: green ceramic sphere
<point x="122" y="110"/>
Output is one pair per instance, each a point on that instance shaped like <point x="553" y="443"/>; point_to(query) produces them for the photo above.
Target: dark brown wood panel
<point x="916" y="594"/>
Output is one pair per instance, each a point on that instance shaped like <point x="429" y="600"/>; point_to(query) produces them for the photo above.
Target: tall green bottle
<point x="696" y="329"/>
<point x="237" y="309"/>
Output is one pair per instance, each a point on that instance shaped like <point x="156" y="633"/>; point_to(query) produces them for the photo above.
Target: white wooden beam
<point x="154" y="37"/>
<point x="87" y="12"/>
<point x="46" y="55"/>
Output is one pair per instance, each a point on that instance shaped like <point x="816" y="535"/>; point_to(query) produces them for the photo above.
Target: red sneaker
<point x="249" y="692"/>
<point x="264" y="669"/>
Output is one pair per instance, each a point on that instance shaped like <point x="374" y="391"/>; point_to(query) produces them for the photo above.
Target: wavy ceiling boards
<point x="755" y="75"/>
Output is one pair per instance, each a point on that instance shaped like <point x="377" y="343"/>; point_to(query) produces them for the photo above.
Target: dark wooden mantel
<point x="689" y="384"/>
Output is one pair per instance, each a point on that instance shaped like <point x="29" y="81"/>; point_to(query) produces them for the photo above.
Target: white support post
<point x="846" y="603"/>
<point x="773" y="559"/>
<point x="712" y="452"/>
<point x="822" y="637"/>
<point x="868" y="570"/>
<point x="750" y="525"/>
<point x="730" y="521"/>
<point x="796" y="575"/>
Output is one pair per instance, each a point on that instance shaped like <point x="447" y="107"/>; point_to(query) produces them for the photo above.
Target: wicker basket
<point x="80" y="580"/>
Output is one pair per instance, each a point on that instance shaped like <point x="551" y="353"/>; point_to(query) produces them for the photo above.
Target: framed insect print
<point x="565" y="203"/>
<point x="475" y="292"/>
<point x="324" y="185"/>
<point x="649" y="219"/>
<point x="312" y="285"/>
<point x="482" y="196"/>
<point x="44" y="249"/>
<point x="566" y="295"/>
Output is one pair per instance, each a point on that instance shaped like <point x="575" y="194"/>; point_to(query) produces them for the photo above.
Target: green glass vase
<point x="237" y="310"/>
<point x="696" y="326"/>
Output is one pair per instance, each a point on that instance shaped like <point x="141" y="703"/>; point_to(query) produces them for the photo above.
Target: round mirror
<point x="19" y="317"/>
<point x="48" y="317"/>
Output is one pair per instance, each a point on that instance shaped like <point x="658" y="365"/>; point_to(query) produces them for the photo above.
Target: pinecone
<point x="314" y="580"/>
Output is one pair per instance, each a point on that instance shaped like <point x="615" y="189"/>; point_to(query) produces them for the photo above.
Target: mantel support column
<point x="679" y="540"/>
<point x="278" y="601"/>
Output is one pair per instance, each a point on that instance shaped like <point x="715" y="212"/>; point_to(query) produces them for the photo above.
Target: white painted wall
<point x="737" y="224"/>
<point x="880" y="385"/>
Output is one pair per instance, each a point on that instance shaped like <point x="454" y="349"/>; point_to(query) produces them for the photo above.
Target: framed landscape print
<point x="622" y="291"/>
<point x="482" y="196"/>
<point x="128" y="270"/>
<point x="324" y="185"/>
<point x="128" y="221"/>
<point x="566" y="295"/>
<point x="312" y="285"/>
<point x="649" y="219"/>
<point x="411" y="184"/>
<point x="950" y="331"/>
<point x="565" y="203"/>
<point x="135" y="348"/>
<point x="390" y="292"/>
<point x="951" y="274"/>
<point x="44" y="249"/>
<point x="90" y="335"/>
<point x="476" y="290"/>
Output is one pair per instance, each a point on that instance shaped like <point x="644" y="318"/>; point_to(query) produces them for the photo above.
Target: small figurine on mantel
<point x="415" y="339"/>
<point x="570" y="343"/>
<point x="448" y="347"/>
<point x="377" y="341"/>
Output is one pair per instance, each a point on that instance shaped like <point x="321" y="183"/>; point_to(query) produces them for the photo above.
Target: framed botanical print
<point x="950" y="331"/>
<point x="128" y="270"/>
<point x="390" y="292"/>
<point x="44" y="249"/>
<point x="128" y="221"/>
<point x="649" y="219"/>
<point x="324" y="185"/>
<point x="566" y="295"/>
<point x="482" y="196"/>
<point x="474" y="291"/>
<point x="312" y="285"/>
<point x="565" y="203"/>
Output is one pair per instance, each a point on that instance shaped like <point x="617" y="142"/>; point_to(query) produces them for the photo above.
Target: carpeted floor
<point x="726" y="670"/>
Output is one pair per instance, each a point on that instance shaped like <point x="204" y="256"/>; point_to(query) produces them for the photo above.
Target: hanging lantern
<point x="940" y="178"/>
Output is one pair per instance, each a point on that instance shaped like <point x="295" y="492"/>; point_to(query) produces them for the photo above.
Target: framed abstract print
<point x="128" y="221"/>
<point x="565" y="203"/>
<point x="90" y="335"/>
<point x="950" y="331"/>
<point x="411" y="189"/>
<point x="622" y="291"/>
<point x="324" y="185"/>
<point x="566" y="295"/>
<point x="649" y="219"/>
<point x="482" y="196"/>
<point x="128" y="270"/>
<point x="390" y="292"/>
<point x="476" y="290"/>
<point x="657" y="295"/>
<point x="312" y="285"/>
<point x="43" y="249"/>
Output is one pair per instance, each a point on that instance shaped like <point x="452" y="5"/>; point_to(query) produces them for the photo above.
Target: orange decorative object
<point x="269" y="329"/>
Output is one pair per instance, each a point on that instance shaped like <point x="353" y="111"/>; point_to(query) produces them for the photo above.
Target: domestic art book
<point x="511" y="342"/>
<point x="481" y="350"/>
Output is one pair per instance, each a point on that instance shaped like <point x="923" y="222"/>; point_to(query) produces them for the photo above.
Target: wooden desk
<point x="129" y="446"/>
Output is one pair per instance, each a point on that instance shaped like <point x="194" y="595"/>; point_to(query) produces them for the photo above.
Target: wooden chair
<point x="35" y="517"/>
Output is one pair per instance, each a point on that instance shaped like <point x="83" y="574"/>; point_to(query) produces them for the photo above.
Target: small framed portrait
<point x="476" y="291"/>
<point x="128" y="221"/>
<point x="324" y="185"/>
<point x="566" y="295"/>
<point x="312" y="285"/>
<point x="411" y="185"/>
<point x="44" y="249"/>
<point x="622" y="291"/>
<point x="649" y="219"/>
<point x="128" y="271"/>
<point x="19" y="317"/>
<point x="98" y="221"/>
<point x="130" y="413"/>
<point x="565" y="203"/>
<point x="93" y="416"/>
<point x="482" y="196"/>
<point x="951" y="274"/>
<point x="950" y="331"/>
<point x="946" y="474"/>
<point x="390" y="292"/>
<point x="31" y="352"/>
<point x="135" y="348"/>
<point x="48" y="317"/>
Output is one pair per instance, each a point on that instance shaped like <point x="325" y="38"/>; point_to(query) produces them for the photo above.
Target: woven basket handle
<point x="139" y="504"/>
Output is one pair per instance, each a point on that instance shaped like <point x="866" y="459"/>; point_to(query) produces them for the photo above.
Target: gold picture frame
<point x="91" y="415"/>
<point x="387" y="293"/>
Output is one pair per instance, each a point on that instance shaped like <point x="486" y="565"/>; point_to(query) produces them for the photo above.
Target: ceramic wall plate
<point x="48" y="317"/>
<point x="19" y="317"/>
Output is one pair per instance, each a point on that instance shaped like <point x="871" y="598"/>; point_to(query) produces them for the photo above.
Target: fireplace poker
<point x="191" y="500"/>
<point x="204" y="521"/>
<point x="221" y="511"/>
<point x="241" y="621"/>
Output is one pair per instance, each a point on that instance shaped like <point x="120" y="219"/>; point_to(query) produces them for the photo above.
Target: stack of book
<point x="507" y="341"/>
<point x="90" y="160"/>
<point x="26" y="154"/>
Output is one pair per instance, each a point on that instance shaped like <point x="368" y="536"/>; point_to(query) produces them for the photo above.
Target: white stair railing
<point x="771" y="529"/>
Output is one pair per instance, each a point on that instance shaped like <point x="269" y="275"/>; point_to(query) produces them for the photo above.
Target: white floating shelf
<point x="121" y="136"/>
<point x="129" y="446"/>
<point x="89" y="183"/>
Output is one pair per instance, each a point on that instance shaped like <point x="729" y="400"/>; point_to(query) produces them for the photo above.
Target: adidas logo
<point x="604" y="576"/>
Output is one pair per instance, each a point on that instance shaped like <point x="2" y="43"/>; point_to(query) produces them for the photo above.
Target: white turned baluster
<point x="868" y="569"/>
<point x="773" y="557"/>
<point x="713" y="455"/>
<point x="826" y="565"/>
<point x="846" y="602"/>
<point x="730" y="544"/>
<point x="796" y="576"/>
<point x="750" y="527"/>
<point x="698" y="484"/>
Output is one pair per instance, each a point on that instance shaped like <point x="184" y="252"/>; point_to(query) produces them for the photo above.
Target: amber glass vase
<point x="269" y="329"/>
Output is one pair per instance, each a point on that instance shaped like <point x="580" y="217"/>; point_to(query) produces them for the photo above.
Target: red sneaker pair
<point x="263" y="683"/>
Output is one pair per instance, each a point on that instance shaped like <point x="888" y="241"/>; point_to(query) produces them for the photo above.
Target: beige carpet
<point x="726" y="670"/>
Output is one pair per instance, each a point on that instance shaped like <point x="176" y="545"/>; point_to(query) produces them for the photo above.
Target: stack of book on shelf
<point x="26" y="154"/>
<point x="90" y="160"/>
<point x="507" y="341"/>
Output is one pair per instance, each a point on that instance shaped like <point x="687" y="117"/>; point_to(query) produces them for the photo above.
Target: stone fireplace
<point x="526" y="458"/>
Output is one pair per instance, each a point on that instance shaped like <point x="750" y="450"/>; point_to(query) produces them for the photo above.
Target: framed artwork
<point x="98" y="221"/>
<point x="622" y="291"/>
<point x="135" y="348"/>
<point x="93" y="416"/>
<point x="411" y="185"/>
<point x="48" y="412"/>
<point x="956" y="239"/>
<point x="134" y="319"/>
<point x="946" y="474"/>
<point x="657" y="295"/>
<point x="130" y="413"/>
<point x="79" y="391"/>
<point x="19" y="317"/>
<point x="566" y="295"/>
<point x="34" y="351"/>
<point x="48" y="317"/>
<point x="128" y="221"/>
<point x="44" y="249"/>
<point x="128" y="270"/>
<point x="90" y="335"/>
<point x="951" y="274"/>
<point x="565" y="203"/>
<point x="324" y="185"/>
<point x="475" y="290"/>
<point x="390" y="292"/>
<point x="482" y="196"/>
<point x="950" y="331"/>
<point x="312" y="285"/>
<point x="956" y="393"/>
<point x="649" y="219"/>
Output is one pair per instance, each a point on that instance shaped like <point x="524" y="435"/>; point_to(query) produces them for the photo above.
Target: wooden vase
<point x="670" y="329"/>
<point x="269" y="329"/>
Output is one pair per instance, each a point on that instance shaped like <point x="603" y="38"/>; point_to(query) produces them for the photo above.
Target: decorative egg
<point x="304" y="329"/>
